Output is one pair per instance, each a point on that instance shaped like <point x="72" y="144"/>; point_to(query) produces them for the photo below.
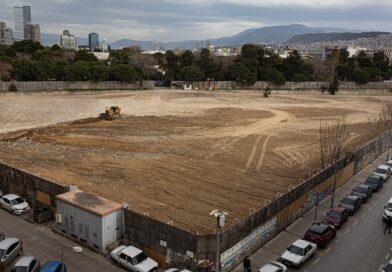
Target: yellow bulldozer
<point x="113" y="112"/>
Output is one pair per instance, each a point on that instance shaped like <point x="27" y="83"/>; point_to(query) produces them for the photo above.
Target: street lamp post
<point x="74" y="249"/>
<point x="220" y="223"/>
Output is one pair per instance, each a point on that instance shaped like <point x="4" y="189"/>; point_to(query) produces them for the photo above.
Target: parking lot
<point x="41" y="242"/>
<point x="360" y="245"/>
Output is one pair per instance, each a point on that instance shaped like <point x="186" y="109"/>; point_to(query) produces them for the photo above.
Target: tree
<point x="242" y="74"/>
<point x="361" y="76"/>
<point x="118" y="57"/>
<point x="275" y="77"/>
<point x="123" y="73"/>
<point x="83" y="55"/>
<point x="299" y="77"/>
<point x="186" y="58"/>
<point x="191" y="73"/>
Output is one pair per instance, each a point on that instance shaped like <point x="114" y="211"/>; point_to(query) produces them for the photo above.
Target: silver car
<point x="10" y="249"/>
<point x="27" y="264"/>
<point x="14" y="204"/>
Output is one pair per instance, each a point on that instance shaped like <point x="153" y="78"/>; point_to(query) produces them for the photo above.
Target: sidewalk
<point x="274" y="249"/>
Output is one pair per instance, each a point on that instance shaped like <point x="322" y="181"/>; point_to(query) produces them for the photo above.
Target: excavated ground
<point x="176" y="155"/>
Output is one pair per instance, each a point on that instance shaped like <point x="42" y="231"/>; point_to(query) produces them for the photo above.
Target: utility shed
<point x="92" y="220"/>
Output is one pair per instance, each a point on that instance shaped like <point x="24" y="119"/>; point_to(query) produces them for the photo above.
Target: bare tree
<point x="332" y="145"/>
<point x="382" y="123"/>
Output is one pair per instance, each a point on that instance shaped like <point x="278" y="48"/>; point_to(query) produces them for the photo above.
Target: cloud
<point x="171" y="20"/>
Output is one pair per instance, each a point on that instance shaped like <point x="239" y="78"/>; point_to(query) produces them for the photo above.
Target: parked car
<point x="363" y="191"/>
<point x="14" y="204"/>
<point x="10" y="249"/>
<point x="133" y="259"/>
<point x="351" y="203"/>
<point x="384" y="171"/>
<point x="320" y="233"/>
<point x="26" y="264"/>
<point x="387" y="211"/>
<point x="2" y="236"/>
<point x="176" y="270"/>
<point x="389" y="163"/>
<point x="53" y="266"/>
<point x="298" y="253"/>
<point x="375" y="181"/>
<point x="387" y="267"/>
<point x="273" y="267"/>
<point x="336" y="216"/>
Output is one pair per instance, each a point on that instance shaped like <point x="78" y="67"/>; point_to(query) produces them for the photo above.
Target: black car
<point x="363" y="191"/>
<point x="375" y="182"/>
<point x="351" y="203"/>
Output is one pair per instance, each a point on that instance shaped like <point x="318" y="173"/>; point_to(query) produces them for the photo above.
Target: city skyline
<point x="174" y="20"/>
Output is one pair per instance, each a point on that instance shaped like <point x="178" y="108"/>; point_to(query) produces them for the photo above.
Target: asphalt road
<point x="41" y="242"/>
<point x="360" y="245"/>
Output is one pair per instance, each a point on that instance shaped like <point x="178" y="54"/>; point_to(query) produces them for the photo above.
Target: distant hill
<point x="263" y="35"/>
<point x="327" y="37"/>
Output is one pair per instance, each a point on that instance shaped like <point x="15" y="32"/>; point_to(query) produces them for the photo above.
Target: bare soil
<point x="175" y="155"/>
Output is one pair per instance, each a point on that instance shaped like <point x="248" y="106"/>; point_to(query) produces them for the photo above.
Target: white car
<point x="389" y="163"/>
<point x="387" y="267"/>
<point x="176" y="270"/>
<point x="298" y="253"/>
<point x="15" y="204"/>
<point x="133" y="259"/>
<point x="384" y="171"/>
<point x="387" y="211"/>
<point x="273" y="267"/>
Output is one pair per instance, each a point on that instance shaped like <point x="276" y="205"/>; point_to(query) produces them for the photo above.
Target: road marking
<point x="370" y="209"/>
<point x="328" y="249"/>
<point x="363" y="215"/>
<point x="355" y="223"/>
<point x="337" y="241"/>
<point x="347" y="231"/>
<point x="375" y="204"/>
<point x="387" y="257"/>
<point x="316" y="261"/>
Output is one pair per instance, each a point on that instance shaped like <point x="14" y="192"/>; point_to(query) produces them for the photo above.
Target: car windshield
<point x="381" y="171"/>
<point x="360" y="190"/>
<point x="389" y="207"/>
<point x="348" y="201"/>
<point x="19" y="269"/>
<point x="334" y="214"/>
<point x="372" y="180"/>
<point x="17" y="201"/>
<point x="139" y="258"/>
<point x="388" y="267"/>
<point x="296" y="250"/>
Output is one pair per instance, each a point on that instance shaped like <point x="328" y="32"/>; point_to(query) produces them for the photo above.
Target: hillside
<point x="327" y="37"/>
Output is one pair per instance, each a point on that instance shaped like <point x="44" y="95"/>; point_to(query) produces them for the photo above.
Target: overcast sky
<point x="174" y="20"/>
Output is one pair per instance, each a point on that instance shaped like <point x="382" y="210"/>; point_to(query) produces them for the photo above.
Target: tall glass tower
<point x="22" y="18"/>
<point x="93" y="41"/>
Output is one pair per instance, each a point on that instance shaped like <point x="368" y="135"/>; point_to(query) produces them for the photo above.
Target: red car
<point x="336" y="216"/>
<point x="320" y="233"/>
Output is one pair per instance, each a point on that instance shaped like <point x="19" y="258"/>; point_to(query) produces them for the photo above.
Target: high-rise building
<point x="22" y="18"/>
<point x="67" y="40"/>
<point x="105" y="45"/>
<point x="93" y="41"/>
<point x="32" y="32"/>
<point x="6" y="34"/>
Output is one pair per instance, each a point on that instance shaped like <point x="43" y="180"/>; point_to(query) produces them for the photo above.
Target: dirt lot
<point x="177" y="155"/>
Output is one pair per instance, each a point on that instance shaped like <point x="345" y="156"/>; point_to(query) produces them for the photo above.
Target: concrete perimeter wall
<point x="35" y="189"/>
<point x="259" y="85"/>
<point x="28" y="86"/>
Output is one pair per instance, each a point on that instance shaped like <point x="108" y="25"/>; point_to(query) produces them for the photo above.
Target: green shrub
<point x="12" y="88"/>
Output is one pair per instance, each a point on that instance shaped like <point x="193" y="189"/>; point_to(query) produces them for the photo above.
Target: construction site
<point x="174" y="156"/>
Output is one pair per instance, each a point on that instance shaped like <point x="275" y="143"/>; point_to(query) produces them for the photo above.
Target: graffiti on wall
<point x="262" y="233"/>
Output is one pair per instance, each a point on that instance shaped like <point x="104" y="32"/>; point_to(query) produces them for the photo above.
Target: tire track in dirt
<point x="263" y="151"/>
<point x="266" y="128"/>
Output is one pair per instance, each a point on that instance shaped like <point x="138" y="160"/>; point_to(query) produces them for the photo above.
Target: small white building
<point x="90" y="219"/>
<point x="101" y="55"/>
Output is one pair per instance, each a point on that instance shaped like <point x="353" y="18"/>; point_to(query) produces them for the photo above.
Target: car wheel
<point x="13" y="212"/>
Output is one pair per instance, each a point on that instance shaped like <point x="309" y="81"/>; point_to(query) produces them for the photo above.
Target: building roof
<point x="90" y="202"/>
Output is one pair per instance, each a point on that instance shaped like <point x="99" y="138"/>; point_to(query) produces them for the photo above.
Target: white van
<point x="388" y="211"/>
